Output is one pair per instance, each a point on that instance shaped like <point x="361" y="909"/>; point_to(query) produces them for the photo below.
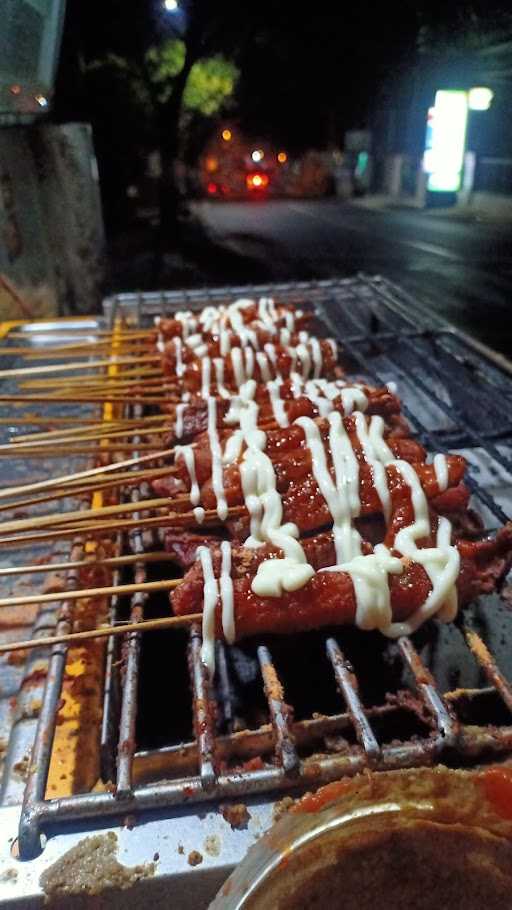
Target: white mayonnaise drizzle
<point x="187" y="453"/>
<point x="370" y="573"/>
<point x="270" y="351"/>
<point x="289" y="318"/>
<point x="178" y="346"/>
<point x="193" y="341"/>
<point x="219" y="377"/>
<point x="226" y="594"/>
<point x="206" y="370"/>
<point x="263" y="502"/>
<point x="210" y="598"/>
<point x="178" y="426"/>
<point x="342" y="496"/>
<point x="377" y="454"/>
<point x="277" y="403"/>
<point x="216" y="455"/>
<point x="264" y="366"/>
<point x="266" y="311"/>
<point x="305" y="359"/>
<point x="316" y="352"/>
<point x="249" y="362"/>
<point x="441" y="472"/>
<point x="238" y="366"/>
<point x="224" y="342"/>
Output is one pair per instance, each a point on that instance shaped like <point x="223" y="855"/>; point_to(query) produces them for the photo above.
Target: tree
<point x="154" y="101"/>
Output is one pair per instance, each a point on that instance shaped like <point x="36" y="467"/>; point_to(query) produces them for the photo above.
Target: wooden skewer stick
<point x="98" y="376"/>
<point x="104" y="528"/>
<point x="76" y="330"/>
<point x="86" y="399"/>
<point x="40" y="522"/>
<point x="90" y="484"/>
<point x="149" y="625"/>
<point x="139" y="387"/>
<point x="129" y="478"/>
<point x="57" y="450"/>
<point x="101" y="350"/>
<point x="88" y="425"/>
<point x="111" y="562"/>
<point x="83" y="347"/>
<point x="37" y="421"/>
<point x="71" y="346"/>
<point x="81" y="475"/>
<point x="86" y="436"/>
<point x="79" y="365"/>
<point x="92" y="381"/>
<point x="108" y="590"/>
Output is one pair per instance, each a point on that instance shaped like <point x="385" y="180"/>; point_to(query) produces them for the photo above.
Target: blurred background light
<point x="282" y="157"/>
<point x="258" y="155"/>
<point x="480" y="98"/>
<point x="171" y="5"/>
<point x="445" y="141"/>
<point x="227" y="135"/>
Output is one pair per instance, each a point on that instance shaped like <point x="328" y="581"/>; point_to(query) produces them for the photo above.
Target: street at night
<point x="460" y="270"/>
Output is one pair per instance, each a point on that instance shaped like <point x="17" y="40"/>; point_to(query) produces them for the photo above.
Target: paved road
<point x="461" y="270"/>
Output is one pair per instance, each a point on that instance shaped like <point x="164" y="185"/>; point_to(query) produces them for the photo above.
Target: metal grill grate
<point x="255" y="737"/>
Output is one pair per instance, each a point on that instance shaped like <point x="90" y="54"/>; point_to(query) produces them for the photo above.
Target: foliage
<point x="465" y="29"/>
<point x="209" y="86"/>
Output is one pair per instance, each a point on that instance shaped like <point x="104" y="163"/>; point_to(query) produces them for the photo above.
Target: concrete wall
<point x="51" y="229"/>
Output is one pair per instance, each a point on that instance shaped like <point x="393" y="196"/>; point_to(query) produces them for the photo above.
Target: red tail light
<point x="256" y="181"/>
<point x="212" y="188"/>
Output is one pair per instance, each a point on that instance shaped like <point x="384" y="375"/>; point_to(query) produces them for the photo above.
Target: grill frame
<point x="368" y="304"/>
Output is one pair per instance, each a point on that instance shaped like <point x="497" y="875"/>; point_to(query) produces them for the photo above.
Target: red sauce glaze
<point x="173" y="328"/>
<point x="212" y="343"/>
<point x="315" y="802"/>
<point x="328" y="599"/>
<point x="192" y="378"/>
<point x="303" y="502"/>
<point x="497" y="786"/>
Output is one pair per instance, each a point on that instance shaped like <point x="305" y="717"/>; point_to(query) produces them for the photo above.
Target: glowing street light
<point x="480" y="98"/>
<point x="171" y="5"/>
<point x="282" y="157"/>
<point x="227" y="135"/>
<point x="258" y="155"/>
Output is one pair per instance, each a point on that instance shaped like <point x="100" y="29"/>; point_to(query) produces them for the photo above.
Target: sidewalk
<point x="483" y="207"/>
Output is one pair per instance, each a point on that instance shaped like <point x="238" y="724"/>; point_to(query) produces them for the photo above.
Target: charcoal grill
<point x="291" y="713"/>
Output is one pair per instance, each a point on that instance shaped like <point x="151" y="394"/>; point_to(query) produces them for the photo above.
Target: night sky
<point x="308" y="72"/>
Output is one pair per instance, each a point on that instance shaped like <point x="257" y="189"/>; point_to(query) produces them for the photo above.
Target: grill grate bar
<point x="280" y="713"/>
<point x="203" y="708"/>
<point x="112" y="692"/>
<point x="436" y="337"/>
<point x="448" y="410"/>
<point x="485" y="659"/>
<point x="283" y="735"/>
<point x="445" y="720"/>
<point x="29" y="833"/>
<point x="225" y="688"/>
<point x="128" y="720"/>
<point x="349" y="686"/>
